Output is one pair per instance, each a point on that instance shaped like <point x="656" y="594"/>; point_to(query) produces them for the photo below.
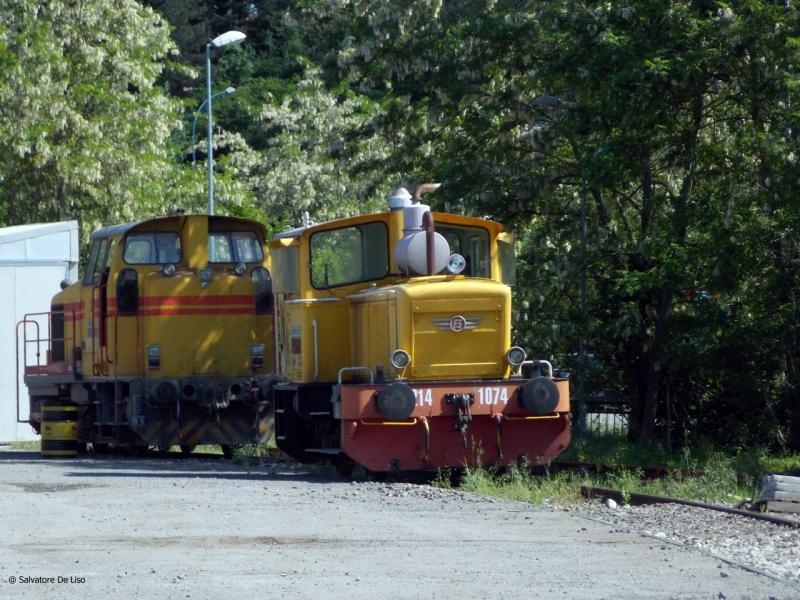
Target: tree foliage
<point x="678" y="117"/>
<point x="84" y="131"/>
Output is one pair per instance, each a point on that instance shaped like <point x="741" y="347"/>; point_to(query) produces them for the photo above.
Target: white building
<point x="34" y="260"/>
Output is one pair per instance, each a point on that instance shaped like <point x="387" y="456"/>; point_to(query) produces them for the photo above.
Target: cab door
<point x="95" y="298"/>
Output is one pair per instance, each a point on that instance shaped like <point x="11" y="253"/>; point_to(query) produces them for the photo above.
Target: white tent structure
<point x="34" y="260"/>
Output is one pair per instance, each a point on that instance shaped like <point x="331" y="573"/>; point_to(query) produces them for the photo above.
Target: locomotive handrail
<point x="368" y="292"/>
<point x="25" y="341"/>
<point x="557" y="416"/>
<point x="24" y="354"/>
<point x="541" y="362"/>
<point x="91" y="330"/>
<point x="25" y="320"/>
<point x="138" y="347"/>
<point x="300" y="300"/>
<point x="549" y="367"/>
<point x="411" y="422"/>
<point x="371" y="375"/>
<point x="103" y="333"/>
<point x="116" y="371"/>
<point x="108" y="360"/>
<point x="316" y="349"/>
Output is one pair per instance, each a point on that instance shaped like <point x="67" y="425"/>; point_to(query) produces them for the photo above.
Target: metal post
<point x="194" y="135"/>
<point x="229" y="90"/>
<point x="210" y="151"/>
<point x="582" y="349"/>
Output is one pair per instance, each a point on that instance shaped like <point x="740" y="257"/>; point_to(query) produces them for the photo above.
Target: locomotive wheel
<point x="163" y="449"/>
<point x="378" y="475"/>
<point x="188" y="449"/>
<point x="139" y="451"/>
<point x="227" y="451"/>
<point x="100" y="448"/>
<point x="344" y="467"/>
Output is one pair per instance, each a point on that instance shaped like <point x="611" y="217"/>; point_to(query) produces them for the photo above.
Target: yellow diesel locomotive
<point x="394" y="345"/>
<point x="382" y="340"/>
<point x="167" y="340"/>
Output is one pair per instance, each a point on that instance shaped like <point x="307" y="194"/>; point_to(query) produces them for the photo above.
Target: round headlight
<point x="515" y="356"/>
<point x="400" y="359"/>
<point x="169" y="269"/>
<point x="456" y="264"/>
<point x="240" y="268"/>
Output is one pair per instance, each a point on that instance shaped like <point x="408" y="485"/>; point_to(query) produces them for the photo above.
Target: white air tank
<point x="410" y="253"/>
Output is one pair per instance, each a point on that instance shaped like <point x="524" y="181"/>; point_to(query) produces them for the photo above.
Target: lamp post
<point x="226" y="39"/>
<point x="553" y="102"/>
<point x="229" y="90"/>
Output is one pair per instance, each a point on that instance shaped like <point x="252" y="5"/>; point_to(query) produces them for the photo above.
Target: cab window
<point x="349" y="255"/>
<point x="110" y="254"/>
<point x="94" y="267"/>
<point x="473" y="244"/>
<point x="236" y="246"/>
<point x="152" y="248"/>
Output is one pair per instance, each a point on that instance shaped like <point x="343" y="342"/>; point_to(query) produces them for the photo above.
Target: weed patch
<point x="699" y="472"/>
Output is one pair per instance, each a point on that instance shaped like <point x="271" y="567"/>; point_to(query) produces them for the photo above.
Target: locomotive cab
<point x="149" y="344"/>
<point x="394" y="346"/>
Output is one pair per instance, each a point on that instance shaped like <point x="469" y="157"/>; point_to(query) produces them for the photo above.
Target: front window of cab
<point x="349" y="255"/>
<point x="152" y="248"/>
<point x="234" y="247"/>
<point x="473" y="244"/>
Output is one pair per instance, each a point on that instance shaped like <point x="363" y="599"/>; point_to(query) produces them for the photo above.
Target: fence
<point x="607" y="412"/>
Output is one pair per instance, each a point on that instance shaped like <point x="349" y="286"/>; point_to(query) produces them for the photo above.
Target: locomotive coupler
<point x="463" y="415"/>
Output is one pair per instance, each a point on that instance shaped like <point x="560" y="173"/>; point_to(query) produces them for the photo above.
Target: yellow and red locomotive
<point x="165" y="339"/>
<point x="382" y="340"/>
<point x="394" y="345"/>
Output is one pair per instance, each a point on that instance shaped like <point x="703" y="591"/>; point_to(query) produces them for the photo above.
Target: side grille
<point x="57" y="333"/>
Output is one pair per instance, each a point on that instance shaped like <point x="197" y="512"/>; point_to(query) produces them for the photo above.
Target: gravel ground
<point x="164" y="528"/>
<point x="759" y="544"/>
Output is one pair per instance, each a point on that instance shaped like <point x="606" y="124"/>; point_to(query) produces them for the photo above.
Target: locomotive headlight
<point x="400" y="359"/>
<point x="240" y="268"/>
<point x="515" y="356"/>
<point x="456" y="264"/>
<point x="169" y="269"/>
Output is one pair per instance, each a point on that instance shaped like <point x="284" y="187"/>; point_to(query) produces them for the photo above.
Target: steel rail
<point x="618" y="495"/>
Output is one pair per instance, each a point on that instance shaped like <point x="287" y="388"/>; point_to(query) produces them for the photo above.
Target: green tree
<point x="190" y="33"/>
<point x="84" y="130"/>
<point x="679" y="114"/>
<point x="310" y="163"/>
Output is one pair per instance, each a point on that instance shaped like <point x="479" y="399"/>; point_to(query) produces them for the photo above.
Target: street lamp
<point x="229" y="90"/>
<point x="226" y="39"/>
<point x="553" y="102"/>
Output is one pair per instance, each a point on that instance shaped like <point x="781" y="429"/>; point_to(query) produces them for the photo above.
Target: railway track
<point x="620" y="496"/>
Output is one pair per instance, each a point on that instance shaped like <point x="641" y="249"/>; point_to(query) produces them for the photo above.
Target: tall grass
<point x="518" y="484"/>
<point x="699" y="473"/>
